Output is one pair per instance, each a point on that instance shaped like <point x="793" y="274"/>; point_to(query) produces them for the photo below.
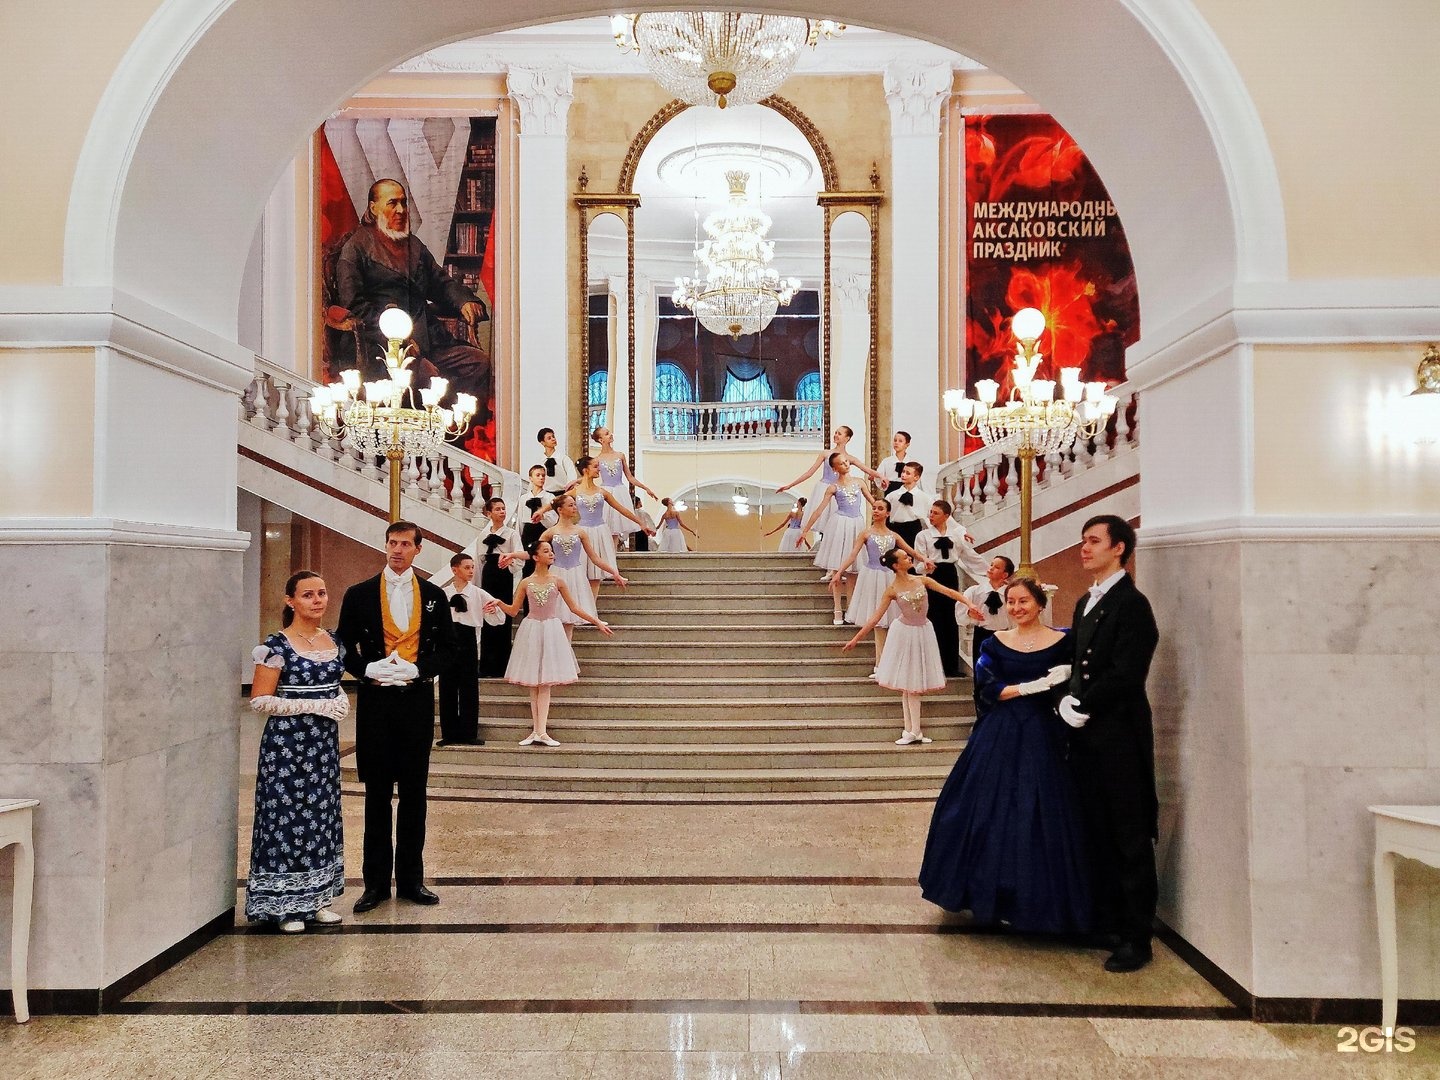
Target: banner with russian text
<point x="1042" y="232"/>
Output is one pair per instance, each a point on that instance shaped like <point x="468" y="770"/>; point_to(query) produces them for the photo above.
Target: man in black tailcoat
<point x="397" y="634"/>
<point x="1112" y="749"/>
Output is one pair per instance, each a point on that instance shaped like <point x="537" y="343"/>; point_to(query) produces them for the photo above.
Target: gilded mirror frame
<point x="623" y="203"/>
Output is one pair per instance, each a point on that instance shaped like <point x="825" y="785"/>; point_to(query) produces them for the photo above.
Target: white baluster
<point x="282" y="413"/>
<point x="303" y="423"/>
<point x="438" y="497"/>
<point x="1122" y="423"/>
<point x="411" y="476"/>
<point x="1053" y="464"/>
<point x="1084" y="455"/>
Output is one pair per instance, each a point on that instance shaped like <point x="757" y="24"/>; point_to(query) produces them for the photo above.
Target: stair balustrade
<point x="452" y="480"/>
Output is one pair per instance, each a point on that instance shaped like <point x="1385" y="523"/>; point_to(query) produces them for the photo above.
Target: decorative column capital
<point x="543" y="96"/>
<point x="916" y="92"/>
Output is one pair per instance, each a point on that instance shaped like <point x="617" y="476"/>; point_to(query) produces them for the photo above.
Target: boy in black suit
<point x="398" y="638"/>
<point x="1112" y="750"/>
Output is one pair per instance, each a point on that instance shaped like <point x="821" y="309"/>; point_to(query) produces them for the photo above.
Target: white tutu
<point x="578" y="582"/>
<point x="604" y="547"/>
<point x="541" y="655"/>
<point x="790" y="540"/>
<point x="816" y="494"/>
<point x="837" y="543"/>
<point x="671" y="539"/>
<point x="870" y="586"/>
<point x="911" y="660"/>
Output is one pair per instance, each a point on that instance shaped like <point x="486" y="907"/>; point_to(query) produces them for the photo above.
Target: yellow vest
<point x="405" y="642"/>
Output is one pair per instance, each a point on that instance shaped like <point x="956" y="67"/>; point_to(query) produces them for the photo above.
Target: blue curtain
<point x="747" y="381"/>
<point x="809" y="389"/>
<point x="672" y="386"/>
<point x="599" y="395"/>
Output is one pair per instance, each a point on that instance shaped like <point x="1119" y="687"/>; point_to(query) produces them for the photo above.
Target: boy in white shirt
<point x="909" y="503"/>
<point x="460" y="686"/>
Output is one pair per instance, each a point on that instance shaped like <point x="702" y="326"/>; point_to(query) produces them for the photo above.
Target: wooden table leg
<point x="23" y="891"/>
<point x="1385" y="916"/>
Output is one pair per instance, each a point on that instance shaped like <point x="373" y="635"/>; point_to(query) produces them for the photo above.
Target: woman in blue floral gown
<point x="1006" y="841"/>
<point x="297" y="851"/>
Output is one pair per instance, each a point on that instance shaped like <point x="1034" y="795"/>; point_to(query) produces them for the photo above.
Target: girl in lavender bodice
<point x="872" y="577"/>
<point x="910" y="661"/>
<point x="616" y="477"/>
<point x="542" y="656"/>
<point x="596" y="503"/>
<point x="839" y="440"/>
<point x="836" y="548"/>
<point x="574" y="556"/>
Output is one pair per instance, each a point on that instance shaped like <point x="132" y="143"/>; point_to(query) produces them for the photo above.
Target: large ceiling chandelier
<point x="719" y="57"/>
<point x="741" y="292"/>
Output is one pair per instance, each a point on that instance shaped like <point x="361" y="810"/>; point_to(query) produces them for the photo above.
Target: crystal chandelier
<point x="719" y="57"/>
<point x="740" y="293"/>
<point x="385" y="420"/>
<point x="1033" y="423"/>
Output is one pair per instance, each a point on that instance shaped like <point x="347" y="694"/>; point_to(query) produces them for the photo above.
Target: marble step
<point x="702" y="589"/>
<point x="718" y="622"/>
<point x="701" y="604"/>
<point x="759" y="692"/>
<point x="716" y="560"/>
<point x="542" y="777"/>
<point x="781" y="664"/>
<point x="503" y="750"/>
<point x="737" y="577"/>
<point x="663" y="648"/>
<point x="704" y="635"/>
<point x="873" y="708"/>
<point x="675" y="798"/>
<point x="950" y="727"/>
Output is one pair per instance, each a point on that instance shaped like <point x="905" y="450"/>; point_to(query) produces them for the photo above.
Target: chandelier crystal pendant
<point x="719" y="57"/>
<point x="1033" y="422"/>
<point x="740" y="292"/>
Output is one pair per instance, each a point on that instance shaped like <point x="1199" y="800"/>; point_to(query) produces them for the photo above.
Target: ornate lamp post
<point x="385" y="420"/>
<point x="1033" y="422"/>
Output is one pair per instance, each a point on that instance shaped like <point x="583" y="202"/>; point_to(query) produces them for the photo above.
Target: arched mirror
<point x="607" y="333"/>
<point x="850" y="324"/>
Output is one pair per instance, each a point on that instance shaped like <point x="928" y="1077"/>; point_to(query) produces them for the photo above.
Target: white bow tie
<point x="1096" y="592"/>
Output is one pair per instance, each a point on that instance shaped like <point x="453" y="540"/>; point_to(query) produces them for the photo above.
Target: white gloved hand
<point x="335" y="708"/>
<point x="1034" y="686"/>
<point x="1070" y="711"/>
<point x="1058" y="674"/>
<point x="278" y="706"/>
<point x="392" y="671"/>
<point x="405" y="671"/>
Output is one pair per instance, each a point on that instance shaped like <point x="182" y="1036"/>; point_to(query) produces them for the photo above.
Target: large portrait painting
<point x="405" y="207"/>
<point x="1040" y="231"/>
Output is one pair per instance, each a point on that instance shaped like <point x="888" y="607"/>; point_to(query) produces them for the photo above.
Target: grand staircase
<point x="724" y="682"/>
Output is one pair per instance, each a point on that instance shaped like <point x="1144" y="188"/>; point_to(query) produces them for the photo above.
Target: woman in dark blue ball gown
<point x="1006" y="841"/>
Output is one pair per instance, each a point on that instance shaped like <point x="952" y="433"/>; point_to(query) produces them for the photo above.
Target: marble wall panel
<point x="1343" y="714"/>
<point x="1197" y="692"/>
<point x="53" y="597"/>
<point x="120" y="718"/>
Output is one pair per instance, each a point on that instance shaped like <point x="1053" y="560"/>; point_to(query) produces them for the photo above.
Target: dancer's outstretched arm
<point x="807" y="473"/>
<point x="590" y="554"/>
<point x="885" y="602"/>
<point x="603" y="627"/>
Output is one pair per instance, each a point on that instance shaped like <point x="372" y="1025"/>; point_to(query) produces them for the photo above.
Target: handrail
<point x="705" y="421"/>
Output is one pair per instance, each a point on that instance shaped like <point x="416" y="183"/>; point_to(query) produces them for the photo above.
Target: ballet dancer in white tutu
<point x="542" y="656"/>
<point x="848" y="497"/>
<point x="574" y="555"/>
<point x="616" y="478"/>
<point x="911" y="660"/>
<point x="839" y="440"/>
<point x="671" y="538"/>
<point x="594" y="501"/>
<point x="871" y="576"/>
<point x="792" y="539"/>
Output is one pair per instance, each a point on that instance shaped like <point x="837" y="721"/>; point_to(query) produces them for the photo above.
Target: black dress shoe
<point x="417" y="894"/>
<point x="1129" y="957"/>
<point x="371" y="899"/>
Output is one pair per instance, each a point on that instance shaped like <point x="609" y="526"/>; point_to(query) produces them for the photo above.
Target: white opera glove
<point x="335" y="708"/>
<point x="392" y="671"/>
<point x="1069" y="708"/>
<point x="1034" y="686"/>
<point x="1058" y="674"/>
<point x="405" y="671"/>
<point x="278" y="706"/>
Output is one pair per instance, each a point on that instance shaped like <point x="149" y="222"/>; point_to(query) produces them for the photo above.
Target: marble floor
<point x="634" y="941"/>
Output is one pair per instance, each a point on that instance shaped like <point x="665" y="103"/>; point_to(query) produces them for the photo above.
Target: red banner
<point x="1041" y="231"/>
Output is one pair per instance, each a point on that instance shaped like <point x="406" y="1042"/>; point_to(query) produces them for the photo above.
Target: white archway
<point x="164" y="210"/>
